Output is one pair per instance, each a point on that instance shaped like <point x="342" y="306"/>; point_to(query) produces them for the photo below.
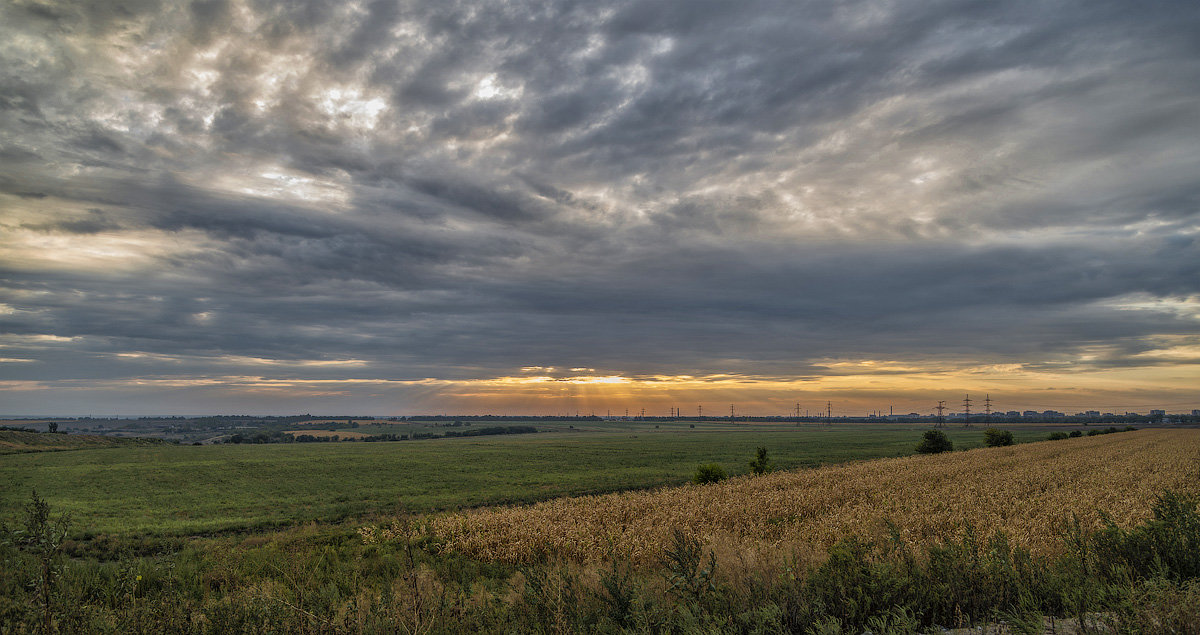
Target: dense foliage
<point x="934" y="442"/>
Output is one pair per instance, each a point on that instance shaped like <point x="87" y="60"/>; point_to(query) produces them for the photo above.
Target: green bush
<point x="995" y="437"/>
<point x="934" y="442"/>
<point x="1057" y="436"/>
<point x="761" y="463"/>
<point x="709" y="473"/>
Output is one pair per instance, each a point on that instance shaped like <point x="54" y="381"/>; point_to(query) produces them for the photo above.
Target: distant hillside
<point x="18" y="441"/>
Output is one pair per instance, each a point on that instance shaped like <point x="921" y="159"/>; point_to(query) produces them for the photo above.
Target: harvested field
<point x="16" y="442"/>
<point x="1026" y="491"/>
<point x="341" y="434"/>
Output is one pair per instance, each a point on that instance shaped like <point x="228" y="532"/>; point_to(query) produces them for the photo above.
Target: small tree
<point x="995" y="437"/>
<point x="761" y="464"/>
<point x="53" y="427"/>
<point x="709" y="473"/>
<point x="934" y="442"/>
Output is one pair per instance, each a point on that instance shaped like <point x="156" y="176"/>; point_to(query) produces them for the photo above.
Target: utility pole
<point x="700" y="411"/>
<point x="941" y="420"/>
<point x="967" y="410"/>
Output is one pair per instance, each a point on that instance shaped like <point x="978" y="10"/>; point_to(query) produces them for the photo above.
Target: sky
<point x="559" y="207"/>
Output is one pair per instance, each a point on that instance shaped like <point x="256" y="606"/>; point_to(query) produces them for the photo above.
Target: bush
<point x="934" y="442"/>
<point x="1057" y="436"/>
<point x="1075" y="433"/>
<point x="710" y="473"/>
<point x="995" y="437"/>
<point x="761" y="464"/>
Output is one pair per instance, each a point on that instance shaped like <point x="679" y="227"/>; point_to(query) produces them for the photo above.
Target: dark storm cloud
<point x="454" y="190"/>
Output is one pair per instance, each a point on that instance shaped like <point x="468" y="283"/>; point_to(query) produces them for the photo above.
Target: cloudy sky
<point x="395" y="207"/>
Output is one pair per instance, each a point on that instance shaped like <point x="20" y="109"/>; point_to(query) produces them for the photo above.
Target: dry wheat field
<point x="1026" y="491"/>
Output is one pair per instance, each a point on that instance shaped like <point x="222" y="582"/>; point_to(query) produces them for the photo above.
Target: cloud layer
<point x="396" y="197"/>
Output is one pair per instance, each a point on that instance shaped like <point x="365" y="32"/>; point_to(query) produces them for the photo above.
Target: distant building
<point x="1012" y="413"/>
<point x="1030" y="413"/>
<point x="1091" y="413"/>
<point x="1158" y="413"/>
<point x="1052" y="413"/>
<point x="1196" y="413"/>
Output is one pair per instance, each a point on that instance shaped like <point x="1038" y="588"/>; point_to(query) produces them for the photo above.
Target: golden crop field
<point x="1027" y="491"/>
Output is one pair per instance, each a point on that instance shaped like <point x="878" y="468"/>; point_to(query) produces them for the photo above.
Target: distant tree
<point x="995" y="437"/>
<point x="934" y="442"/>
<point x="1057" y="436"/>
<point x="1075" y="433"/>
<point x="53" y="427"/>
<point x="709" y="473"/>
<point x="761" y="464"/>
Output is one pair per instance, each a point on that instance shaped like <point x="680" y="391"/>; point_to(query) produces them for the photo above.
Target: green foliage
<point x="995" y="437"/>
<point x="761" y="463"/>
<point x="40" y="541"/>
<point x="1057" y="436"/>
<point x="709" y="473"/>
<point x="1167" y="546"/>
<point x="1075" y="433"/>
<point x="688" y="574"/>
<point x="934" y="442"/>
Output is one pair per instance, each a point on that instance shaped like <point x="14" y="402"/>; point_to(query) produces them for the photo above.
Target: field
<point x="1027" y="492"/>
<point x="164" y="489"/>
<point x="356" y="537"/>
<point x="18" y="441"/>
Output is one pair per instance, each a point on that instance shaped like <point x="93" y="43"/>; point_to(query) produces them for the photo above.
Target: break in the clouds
<point x="396" y="206"/>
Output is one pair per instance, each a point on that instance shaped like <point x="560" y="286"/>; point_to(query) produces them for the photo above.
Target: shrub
<point x="1057" y="436"/>
<point x="934" y="442"/>
<point x="761" y="464"/>
<point x="995" y="437"/>
<point x="709" y="473"/>
<point x="1075" y="433"/>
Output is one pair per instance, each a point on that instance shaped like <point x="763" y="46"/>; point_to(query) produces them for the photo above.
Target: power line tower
<point x="941" y="420"/>
<point x="828" y="413"/>
<point x="967" y="410"/>
<point x="987" y="409"/>
<point x="797" y="412"/>
<point x="699" y="411"/>
<point x="731" y="412"/>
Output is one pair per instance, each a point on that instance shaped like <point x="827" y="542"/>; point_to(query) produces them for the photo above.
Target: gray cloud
<point x="457" y="190"/>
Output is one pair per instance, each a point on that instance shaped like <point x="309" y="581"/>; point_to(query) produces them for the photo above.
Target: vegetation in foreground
<point x="1144" y="579"/>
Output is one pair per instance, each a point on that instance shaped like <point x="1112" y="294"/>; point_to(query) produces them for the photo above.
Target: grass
<point x="181" y="490"/>
<point x="19" y="442"/>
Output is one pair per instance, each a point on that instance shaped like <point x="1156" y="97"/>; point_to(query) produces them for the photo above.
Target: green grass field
<point x="181" y="490"/>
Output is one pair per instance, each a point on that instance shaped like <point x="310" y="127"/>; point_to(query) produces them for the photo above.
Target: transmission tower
<point x="987" y="409"/>
<point x="700" y="412"/>
<point x="967" y="410"/>
<point x="731" y="412"/>
<point x="828" y="413"/>
<point x="941" y="420"/>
